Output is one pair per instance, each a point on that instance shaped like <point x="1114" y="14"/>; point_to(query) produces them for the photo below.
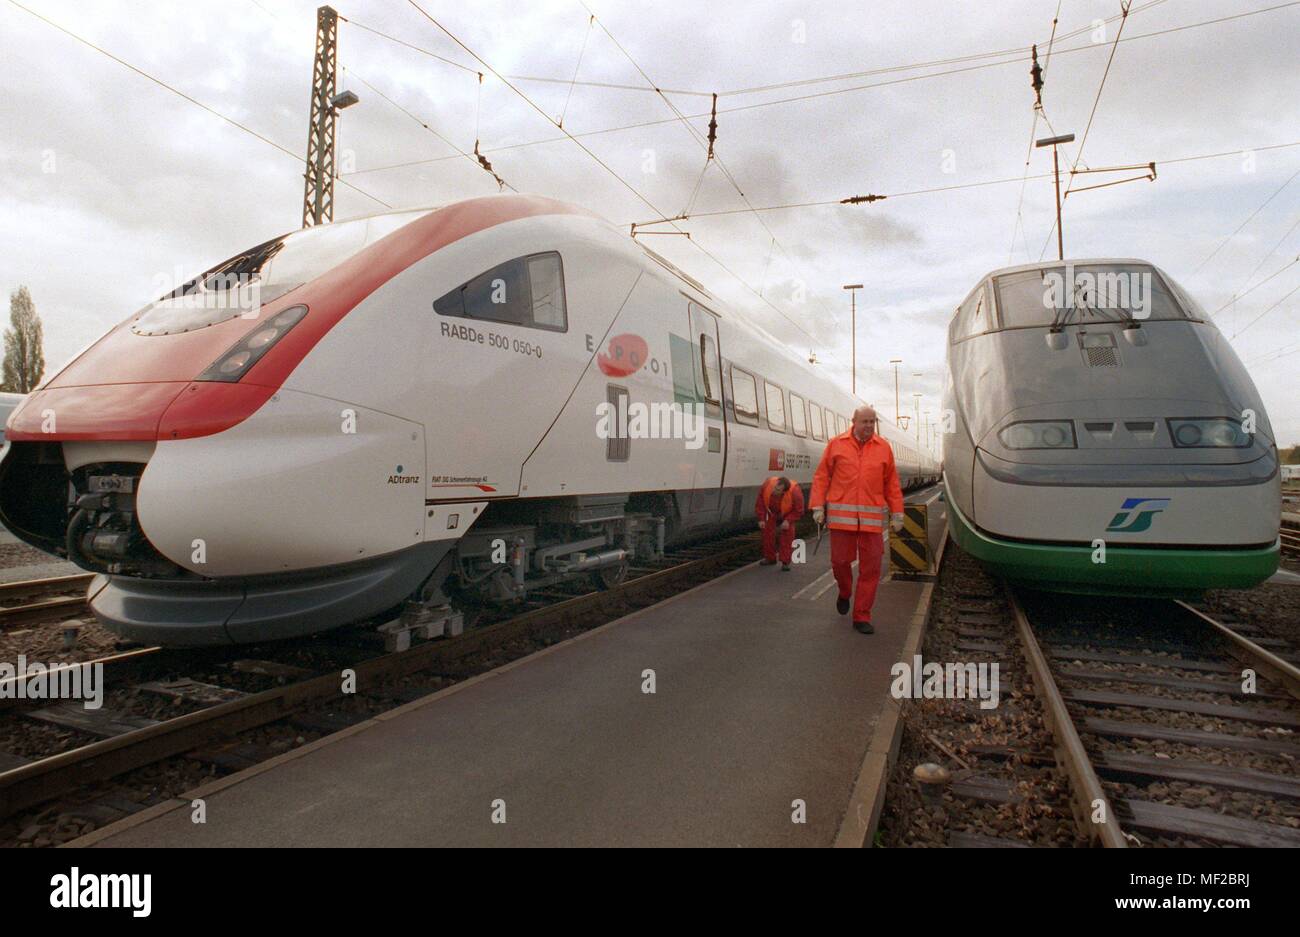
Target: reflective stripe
<point x="854" y="523"/>
<point x="855" y="507"/>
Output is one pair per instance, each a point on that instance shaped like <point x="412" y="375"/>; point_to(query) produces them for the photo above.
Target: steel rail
<point x="1088" y="795"/>
<point x="1285" y="673"/>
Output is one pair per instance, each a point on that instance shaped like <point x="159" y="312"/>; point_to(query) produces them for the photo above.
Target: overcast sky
<point x="109" y="182"/>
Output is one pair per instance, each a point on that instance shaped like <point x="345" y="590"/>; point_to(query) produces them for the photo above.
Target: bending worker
<point x="854" y="488"/>
<point x="779" y="506"/>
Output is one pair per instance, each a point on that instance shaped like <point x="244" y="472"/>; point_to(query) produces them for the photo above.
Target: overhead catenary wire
<point x="758" y="89"/>
<point x="711" y="155"/>
<point x="1038" y="75"/>
<point x="1279" y="302"/>
<point x="627" y="185"/>
<point x="1251" y="217"/>
<point x="1096" y="101"/>
<point x="1263" y="260"/>
<point x="181" y="94"/>
<point x="820" y="203"/>
<point x="591" y="22"/>
<point x="799" y="98"/>
<point x="1125" y="6"/>
<point x="474" y="157"/>
<point x="1243" y="295"/>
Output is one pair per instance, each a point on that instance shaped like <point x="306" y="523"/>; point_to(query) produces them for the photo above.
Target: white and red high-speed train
<point x="410" y="409"/>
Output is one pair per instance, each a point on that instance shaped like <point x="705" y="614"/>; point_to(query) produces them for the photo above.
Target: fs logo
<point x="1129" y="521"/>
<point x="775" y="460"/>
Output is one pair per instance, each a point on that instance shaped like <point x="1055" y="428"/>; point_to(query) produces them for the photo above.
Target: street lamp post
<point x="896" y="362"/>
<point x="1053" y="142"/>
<point x="917" y="398"/>
<point x="853" y="294"/>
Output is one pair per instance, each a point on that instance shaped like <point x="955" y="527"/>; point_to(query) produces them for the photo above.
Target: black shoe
<point x="785" y="567"/>
<point x="766" y="562"/>
<point x="842" y="606"/>
<point x="863" y="627"/>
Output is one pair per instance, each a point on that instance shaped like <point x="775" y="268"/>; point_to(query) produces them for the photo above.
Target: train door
<point x="711" y="457"/>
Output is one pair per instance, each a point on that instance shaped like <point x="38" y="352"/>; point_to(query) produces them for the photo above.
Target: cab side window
<point x="526" y="291"/>
<point x="972" y="317"/>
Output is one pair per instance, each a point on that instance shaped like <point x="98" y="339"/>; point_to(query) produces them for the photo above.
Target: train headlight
<point x="246" y="352"/>
<point x="1039" y="434"/>
<point x="1208" y="434"/>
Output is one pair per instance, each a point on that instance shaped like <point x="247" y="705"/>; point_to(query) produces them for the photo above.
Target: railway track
<point x="1290" y="534"/>
<point x="42" y="600"/>
<point x="1142" y="716"/>
<point x="1132" y="711"/>
<point x="218" y="714"/>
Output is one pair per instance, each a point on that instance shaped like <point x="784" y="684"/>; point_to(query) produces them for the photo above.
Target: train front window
<point x="262" y="274"/>
<point x="1083" y="294"/>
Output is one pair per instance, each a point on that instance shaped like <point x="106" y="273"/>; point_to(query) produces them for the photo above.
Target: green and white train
<point x="1104" y="437"/>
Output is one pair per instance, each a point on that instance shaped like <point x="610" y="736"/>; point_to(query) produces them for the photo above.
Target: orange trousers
<point x="867" y="548"/>
<point x="770" y="535"/>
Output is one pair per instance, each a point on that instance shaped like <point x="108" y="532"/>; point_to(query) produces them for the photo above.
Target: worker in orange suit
<point x="779" y="506"/>
<point x="855" y="493"/>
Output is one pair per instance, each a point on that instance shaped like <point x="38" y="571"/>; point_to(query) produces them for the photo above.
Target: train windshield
<point x="264" y="273"/>
<point x="1084" y="293"/>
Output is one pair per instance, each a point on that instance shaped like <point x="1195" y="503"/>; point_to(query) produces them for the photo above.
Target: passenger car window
<point x="798" y="416"/>
<point x="744" y="394"/>
<point x="816" y="423"/>
<point x="775" y="406"/>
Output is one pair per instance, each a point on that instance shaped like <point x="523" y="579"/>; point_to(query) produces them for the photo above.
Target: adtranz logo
<point x="1131" y="521"/>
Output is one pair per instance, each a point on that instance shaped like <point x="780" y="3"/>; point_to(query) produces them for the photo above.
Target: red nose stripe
<point x="93" y="400"/>
<point x="104" y="411"/>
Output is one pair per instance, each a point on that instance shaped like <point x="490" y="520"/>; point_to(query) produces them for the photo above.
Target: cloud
<point x="146" y="182"/>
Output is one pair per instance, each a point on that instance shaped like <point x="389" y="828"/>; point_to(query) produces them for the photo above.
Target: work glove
<point x="785" y="525"/>
<point x="895" y="522"/>
<point x="819" y="516"/>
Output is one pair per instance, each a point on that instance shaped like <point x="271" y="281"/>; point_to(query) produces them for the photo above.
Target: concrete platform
<point x="764" y="696"/>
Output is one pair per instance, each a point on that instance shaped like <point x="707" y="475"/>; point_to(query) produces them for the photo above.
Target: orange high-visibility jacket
<point x="857" y="484"/>
<point x="791" y="501"/>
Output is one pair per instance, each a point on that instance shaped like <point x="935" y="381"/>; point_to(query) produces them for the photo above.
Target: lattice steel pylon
<point x="318" y="193"/>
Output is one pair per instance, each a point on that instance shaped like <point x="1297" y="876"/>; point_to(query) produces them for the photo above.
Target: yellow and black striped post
<point x="909" y="549"/>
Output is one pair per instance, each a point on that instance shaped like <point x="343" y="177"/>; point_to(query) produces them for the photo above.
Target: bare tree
<point x="24" y="362"/>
